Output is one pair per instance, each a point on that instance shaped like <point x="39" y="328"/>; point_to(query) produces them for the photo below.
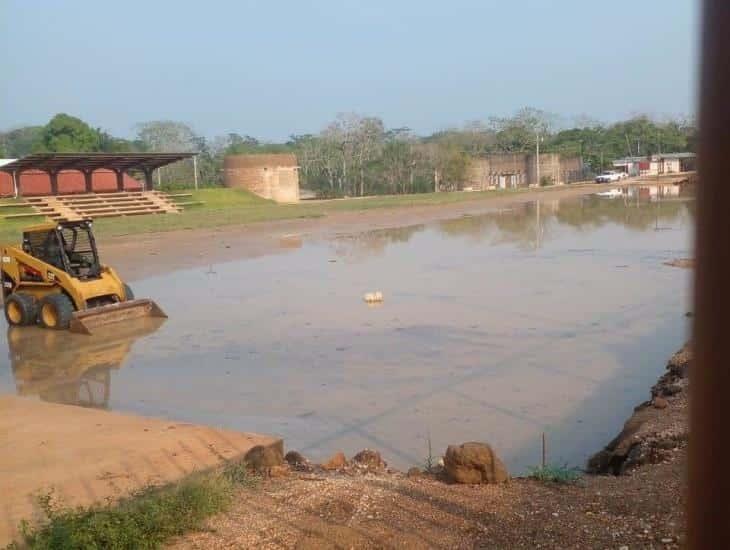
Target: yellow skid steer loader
<point x="55" y="279"/>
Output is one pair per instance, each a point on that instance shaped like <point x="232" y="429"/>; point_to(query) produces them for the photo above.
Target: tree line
<point x="357" y="155"/>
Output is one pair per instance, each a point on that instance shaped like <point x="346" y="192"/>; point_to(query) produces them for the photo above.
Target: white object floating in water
<point x="373" y="297"/>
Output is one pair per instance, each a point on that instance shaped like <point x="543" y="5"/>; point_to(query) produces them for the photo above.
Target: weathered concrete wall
<point x="571" y="169"/>
<point x="274" y="177"/>
<point x="511" y="170"/>
<point x="498" y="171"/>
<point x="287" y="187"/>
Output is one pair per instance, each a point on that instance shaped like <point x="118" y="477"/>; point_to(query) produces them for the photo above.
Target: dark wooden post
<point x="147" y="179"/>
<point x="120" y="180"/>
<point x="54" y="182"/>
<point x="709" y="442"/>
<point x="88" y="181"/>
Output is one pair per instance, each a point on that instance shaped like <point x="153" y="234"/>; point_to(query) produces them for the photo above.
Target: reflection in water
<point x="530" y="225"/>
<point x="373" y="243"/>
<point x="554" y="318"/>
<point x="72" y="369"/>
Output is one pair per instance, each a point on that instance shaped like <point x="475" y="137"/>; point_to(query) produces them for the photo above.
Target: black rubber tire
<point x="26" y="305"/>
<point x="63" y="308"/>
<point x="128" y="294"/>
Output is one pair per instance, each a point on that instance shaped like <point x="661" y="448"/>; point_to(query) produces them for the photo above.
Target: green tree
<point x="67" y="134"/>
<point x="20" y="141"/>
<point x="110" y="144"/>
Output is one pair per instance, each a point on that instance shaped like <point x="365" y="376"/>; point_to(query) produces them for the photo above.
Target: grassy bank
<point x="143" y="520"/>
<point x="223" y="206"/>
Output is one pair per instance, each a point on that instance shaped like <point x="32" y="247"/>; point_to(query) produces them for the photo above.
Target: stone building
<point x="271" y="176"/>
<point x="509" y="170"/>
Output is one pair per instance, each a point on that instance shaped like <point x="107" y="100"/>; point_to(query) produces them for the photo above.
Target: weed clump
<point x="554" y="473"/>
<point x="144" y="520"/>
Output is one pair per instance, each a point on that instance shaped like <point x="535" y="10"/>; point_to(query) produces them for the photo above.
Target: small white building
<point x="671" y="163"/>
<point x="663" y="163"/>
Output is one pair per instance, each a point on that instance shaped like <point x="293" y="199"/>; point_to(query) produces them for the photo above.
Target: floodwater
<point x="552" y="317"/>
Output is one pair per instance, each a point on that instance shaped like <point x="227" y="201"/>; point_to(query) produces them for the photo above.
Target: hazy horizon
<point x="274" y="70"/>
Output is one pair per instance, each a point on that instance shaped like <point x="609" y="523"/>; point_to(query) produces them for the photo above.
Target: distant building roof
<point x="629" y="160"/>
<point x="675" y="155"/>
<point x="6" y="161"/>
<point x="55" y="162"/>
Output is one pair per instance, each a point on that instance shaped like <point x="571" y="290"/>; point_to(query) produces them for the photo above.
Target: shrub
<point x="144" y="520"/>
<point x="554" y="473"/>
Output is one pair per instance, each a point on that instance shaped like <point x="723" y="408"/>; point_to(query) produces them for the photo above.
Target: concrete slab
<point x="88" y="455"/>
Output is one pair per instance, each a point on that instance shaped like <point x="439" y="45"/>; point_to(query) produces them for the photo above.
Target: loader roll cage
<point x="70" y="246"/>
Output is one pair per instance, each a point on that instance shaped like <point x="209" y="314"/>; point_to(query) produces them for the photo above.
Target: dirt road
<point x="139" y="256"/>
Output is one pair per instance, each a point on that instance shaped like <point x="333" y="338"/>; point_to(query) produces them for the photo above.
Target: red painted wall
<point x="34" y="182"/>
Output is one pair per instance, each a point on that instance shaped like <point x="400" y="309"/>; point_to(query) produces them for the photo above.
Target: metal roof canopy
<point x="84" y="162"/>
<point x="53" y="163"/>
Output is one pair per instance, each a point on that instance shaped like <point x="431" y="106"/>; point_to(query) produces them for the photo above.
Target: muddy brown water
<point x="550" y="317"/>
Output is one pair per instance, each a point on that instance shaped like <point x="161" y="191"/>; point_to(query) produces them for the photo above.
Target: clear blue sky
<point x="272" y="68"/>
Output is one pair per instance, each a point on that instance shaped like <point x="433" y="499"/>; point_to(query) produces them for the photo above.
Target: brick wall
<point x="35" y="182"/>
<point x="274" y="177"/>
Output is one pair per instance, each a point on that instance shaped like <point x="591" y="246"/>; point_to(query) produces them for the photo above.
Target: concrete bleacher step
<point x="101" y="205"/>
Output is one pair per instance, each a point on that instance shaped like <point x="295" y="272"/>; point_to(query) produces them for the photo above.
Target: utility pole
<point x="195" y="170"/>
<point x="537" y="160"/>
<point x="582" y="166"/>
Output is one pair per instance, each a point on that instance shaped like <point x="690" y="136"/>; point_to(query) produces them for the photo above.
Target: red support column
<point x="88" y="181"/>
<point x="120" y="180"/>
<point x="54" y="182"/>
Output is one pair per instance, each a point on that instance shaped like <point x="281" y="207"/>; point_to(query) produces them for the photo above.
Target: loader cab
<point x="69" y="246"/>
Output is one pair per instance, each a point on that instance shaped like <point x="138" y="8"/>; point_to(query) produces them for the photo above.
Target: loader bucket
<point x="85" y="321"/>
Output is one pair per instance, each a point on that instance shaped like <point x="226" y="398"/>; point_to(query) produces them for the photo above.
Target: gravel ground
<point x="642" y="508"/>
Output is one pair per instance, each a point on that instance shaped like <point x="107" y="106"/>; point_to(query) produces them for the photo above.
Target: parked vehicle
<point x="610" y="176"/>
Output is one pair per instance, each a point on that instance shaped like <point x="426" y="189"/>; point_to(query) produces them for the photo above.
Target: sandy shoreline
<point x="89" y="455"/>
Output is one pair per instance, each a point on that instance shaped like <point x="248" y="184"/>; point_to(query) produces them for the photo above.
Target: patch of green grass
<point x="144" y="520"/>
<point x="554" y="473"/>
<point x="239" y="473"/>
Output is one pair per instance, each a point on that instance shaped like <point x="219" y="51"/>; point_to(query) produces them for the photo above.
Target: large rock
<point x="369" y="460"/>
<point x="295" y="459"/>
<point x="660" y="403"/>
<point x="337" y="462"/>
<point x="260" y="459"/>
<point x="297" y="462"/>
<point x="474" y="463"/>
